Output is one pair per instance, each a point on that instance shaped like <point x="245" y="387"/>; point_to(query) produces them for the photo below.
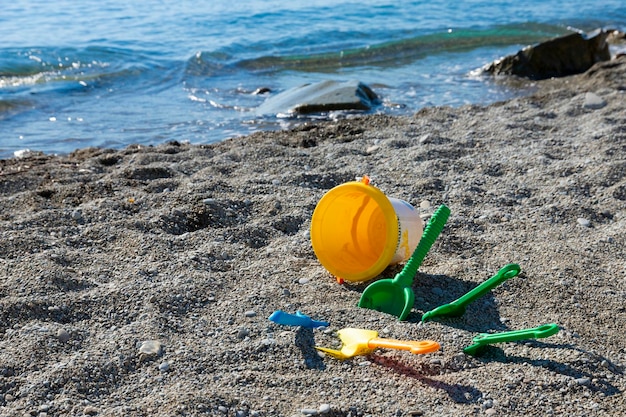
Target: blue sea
<point x="110" y="73"/>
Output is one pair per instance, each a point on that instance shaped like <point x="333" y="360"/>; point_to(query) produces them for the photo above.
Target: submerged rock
<point x="558" y="57"/>
<point x="321" y="97"/>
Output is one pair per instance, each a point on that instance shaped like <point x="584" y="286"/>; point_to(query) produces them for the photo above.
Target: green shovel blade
<point x="395" y="296"/>
<point x="388" y="296"/>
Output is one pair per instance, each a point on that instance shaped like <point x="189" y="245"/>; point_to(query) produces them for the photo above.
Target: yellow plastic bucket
<point x="357" y="231"/>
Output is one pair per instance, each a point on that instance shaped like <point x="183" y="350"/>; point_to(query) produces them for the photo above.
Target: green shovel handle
<point x="457" y="307"/>
<point x="505" y="273"/>
<point x="431" y="232"/>
<point x="485" y="339"/>
<point x="515" y="335"/>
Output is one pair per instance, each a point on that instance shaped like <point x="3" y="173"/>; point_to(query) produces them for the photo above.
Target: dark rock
<point x="321" y="97"/>
<point x="261" y="90"/>
<point x="617" y="39"/>
<point x="559" y="57"/>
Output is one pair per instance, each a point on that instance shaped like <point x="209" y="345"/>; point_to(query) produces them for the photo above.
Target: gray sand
<point x="193" y="247"/>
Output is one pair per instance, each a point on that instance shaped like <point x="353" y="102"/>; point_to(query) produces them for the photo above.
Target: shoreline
<point x="192" y="247"/>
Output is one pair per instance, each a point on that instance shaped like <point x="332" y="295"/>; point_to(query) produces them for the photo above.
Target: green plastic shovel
<point x="485" y="339"/>
<point x="457" y="307"/>
<point x="395" y="296"/>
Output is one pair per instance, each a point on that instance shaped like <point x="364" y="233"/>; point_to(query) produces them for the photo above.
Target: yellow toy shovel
<point x="361" y="342"/>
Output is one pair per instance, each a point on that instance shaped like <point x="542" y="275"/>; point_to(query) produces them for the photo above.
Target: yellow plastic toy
<point x="358" y="342"/>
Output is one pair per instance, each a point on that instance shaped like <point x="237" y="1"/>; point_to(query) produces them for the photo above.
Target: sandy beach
<point x="138" y="282"/>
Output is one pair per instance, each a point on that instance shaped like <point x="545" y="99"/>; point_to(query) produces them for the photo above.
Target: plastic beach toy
<point x="357" y="342"/>
<point x="485" y="339"/>
<point x="395" y="296"/>
<point x="298" y="319"/>
<point x="457" y="307"/>
<point x="357" y="231"/>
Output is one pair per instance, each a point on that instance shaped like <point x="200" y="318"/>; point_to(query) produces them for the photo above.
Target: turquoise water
<point x="111" y="73"/>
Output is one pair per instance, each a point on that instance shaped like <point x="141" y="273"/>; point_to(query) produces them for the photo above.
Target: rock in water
<point x="559" y="57"/>
<point x="321" y="97"/>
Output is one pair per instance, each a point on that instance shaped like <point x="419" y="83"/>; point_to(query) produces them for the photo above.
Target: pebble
<point x="584" y="222"/>
<point x="77" y="215"/>
<point x="324" y="408"/>
<point x="425" y="138"/>
<point x="582" y="381"/>
<point x="243" y="333"/>
<point x="436" y="361"/>
<point x="425" y="205"/>
<point x="250" y="313"/>
<point x="63" y="336"/>
<point x="268" y="342"/>
<point x="303" y="280"/>
<point x="459" y="359"/>
<point x="593" y="101"/>
<point x="151" y="347"/>
<point x="90" y="410"/>
<point x="309" y="411"/>
<point x="164" y="366"/>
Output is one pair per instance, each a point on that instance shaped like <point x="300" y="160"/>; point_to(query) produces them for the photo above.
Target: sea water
<point x="110" y="73"/>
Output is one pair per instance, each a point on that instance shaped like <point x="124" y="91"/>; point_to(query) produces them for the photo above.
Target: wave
<point x="405" y="51"/>
<point x="74" y="68"/>
<point x="391" y="53"/>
